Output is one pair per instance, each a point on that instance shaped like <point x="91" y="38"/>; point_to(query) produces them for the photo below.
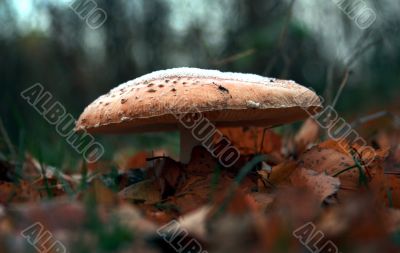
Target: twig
<point x="262" y="140"/>
<point x="235" y="57"/>
<point x="344" y="170"/>
<point x="281" y="40"/>
<point x="283" y="34"/>
<point x="155" y="158"/>
<point x="357" y="53"/>
<point x="368" y="118"/>
<point x="329" y="84"/>
<point x="360" y="51"/>
<point x="341" y="87"/>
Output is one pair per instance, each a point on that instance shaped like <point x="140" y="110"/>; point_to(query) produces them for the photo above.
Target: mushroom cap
<point x="152" y="102"/>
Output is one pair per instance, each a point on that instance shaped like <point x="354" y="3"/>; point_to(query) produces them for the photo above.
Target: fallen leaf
<point x="281" y="172"/>
<point x="101" y="193"/>
<point x="328" y="158"/>
<point x="201" y="162"/>
<point x="253" y="140"/>
<point x="236" y="202"/>
<point x="145" y="191"/>
<point x="264" y="200"/>
<point x="307" y="135"/>
<point x="17" y="193"/>
<point x="391" y="190"/>
<point x="358" y="219"/>
<point x="168" y="174"/>
<point x="322" y="185"/>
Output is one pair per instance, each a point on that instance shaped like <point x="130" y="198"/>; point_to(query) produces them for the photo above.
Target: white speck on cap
<point x="199" y="73"/>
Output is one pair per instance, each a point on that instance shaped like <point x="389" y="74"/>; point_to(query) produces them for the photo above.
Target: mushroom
<point x="157" y="101"/>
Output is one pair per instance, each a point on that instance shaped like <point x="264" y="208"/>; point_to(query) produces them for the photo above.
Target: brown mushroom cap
<point x="150" y="102"/>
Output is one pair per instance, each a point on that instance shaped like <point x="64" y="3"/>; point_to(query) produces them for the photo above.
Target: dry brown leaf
<point x="194" y="192"/>
<point x="281" y="172"/>
<point x="307" y="135"/>
<point x="390" y="190"/>
<point x="249" y="140"/>
<point x="393" y="220"/>
<point x="145" y="191"/>
<point x="392" y="163"/>
<point x="383" y="140"/>
<point x="201" y="162"/>
<point x="17" y="193"/>
<point x="336" y="160"/>
<point x="102" y="194"/>
<point x="263" y="200"/>
<point x="358" y="219"/>
<point x="391" y="143"/>
<point x="235" y="202"/>
<point x="322" y="185"/>
<point x="198" y="190"/>
<point x="168" y="174"/>
<point x="343" y="147"/>
<point x="331" y="160"/>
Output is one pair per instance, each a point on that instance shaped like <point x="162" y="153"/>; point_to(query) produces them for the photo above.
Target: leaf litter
<point x="253" y="206"/>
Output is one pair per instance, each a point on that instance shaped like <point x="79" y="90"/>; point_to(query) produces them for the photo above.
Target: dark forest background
<point x="284" y="39"/>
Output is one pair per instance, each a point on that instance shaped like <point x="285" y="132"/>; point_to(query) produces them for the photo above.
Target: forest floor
<point x="291" y="193"/>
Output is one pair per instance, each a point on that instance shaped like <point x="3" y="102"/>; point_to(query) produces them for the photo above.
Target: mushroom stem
<point x="187" y="143"/>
